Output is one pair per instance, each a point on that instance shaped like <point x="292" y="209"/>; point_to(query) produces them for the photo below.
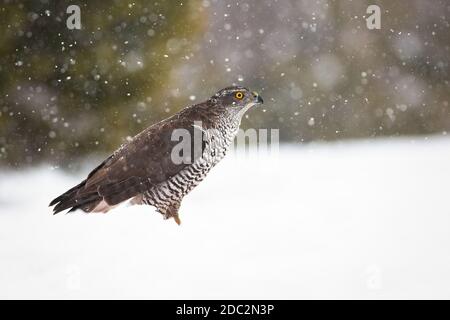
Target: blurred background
<point x="323" y="74"/>
<point x="355" y="205"/>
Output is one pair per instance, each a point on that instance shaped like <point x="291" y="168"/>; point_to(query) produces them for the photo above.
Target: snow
<point x="366" y="219"/>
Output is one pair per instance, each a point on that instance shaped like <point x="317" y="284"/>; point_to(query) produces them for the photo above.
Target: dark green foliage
<point x="65" y="92"/>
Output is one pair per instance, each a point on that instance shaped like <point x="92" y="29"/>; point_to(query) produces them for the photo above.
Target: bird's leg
<point x="172" y="212"/>
<point x="177" y="219"/>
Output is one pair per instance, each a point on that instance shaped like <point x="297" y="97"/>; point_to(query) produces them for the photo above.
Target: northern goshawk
<point x="147" y="170"/>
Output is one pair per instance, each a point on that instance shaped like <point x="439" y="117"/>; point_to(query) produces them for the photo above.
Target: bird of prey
<point x="144" y="170"/>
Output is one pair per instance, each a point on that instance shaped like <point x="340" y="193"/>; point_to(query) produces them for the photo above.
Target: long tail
<point x="73" y="200"/>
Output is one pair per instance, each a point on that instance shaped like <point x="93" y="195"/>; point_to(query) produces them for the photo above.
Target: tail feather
<point x="71" y="195"/>
<point x="68" y="194"/>
<point x="86" y="207"/>
<point x="72" y="199"/>
<point x="88" y="194"/>
<point x="76" y="202"/>
<point x="78" y="198"/>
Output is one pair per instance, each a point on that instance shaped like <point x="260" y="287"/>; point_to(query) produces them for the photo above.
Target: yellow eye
<point x="239" y="95"/>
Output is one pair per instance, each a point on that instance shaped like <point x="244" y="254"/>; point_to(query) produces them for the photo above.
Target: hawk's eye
<point x="239" y="95"/>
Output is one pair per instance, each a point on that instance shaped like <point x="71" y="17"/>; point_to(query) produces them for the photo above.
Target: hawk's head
<point x="236" y="99"/>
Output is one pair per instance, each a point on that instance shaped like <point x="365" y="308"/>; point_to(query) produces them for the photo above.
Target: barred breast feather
<point x="166" y="196"/>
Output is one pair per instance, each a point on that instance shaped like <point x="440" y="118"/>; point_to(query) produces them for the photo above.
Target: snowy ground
<point x="349" y="220"/>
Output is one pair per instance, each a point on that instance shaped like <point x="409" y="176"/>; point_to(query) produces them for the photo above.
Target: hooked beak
<point x="258" y="98"/>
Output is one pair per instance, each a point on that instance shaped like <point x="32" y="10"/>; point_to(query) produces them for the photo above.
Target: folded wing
<point x="134" y="168"/>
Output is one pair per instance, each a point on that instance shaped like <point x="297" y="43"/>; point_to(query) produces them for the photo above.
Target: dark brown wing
<point x="134" y="168"/>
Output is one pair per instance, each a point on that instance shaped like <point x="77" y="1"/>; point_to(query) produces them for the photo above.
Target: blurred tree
<point x="323" y="74"/>
<point x="66" y="92"/>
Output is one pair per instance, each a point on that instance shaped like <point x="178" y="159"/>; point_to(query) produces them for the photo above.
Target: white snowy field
<point x="367" y="219"/>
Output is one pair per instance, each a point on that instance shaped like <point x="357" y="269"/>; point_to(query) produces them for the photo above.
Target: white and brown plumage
<point x="143" y="169"/>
